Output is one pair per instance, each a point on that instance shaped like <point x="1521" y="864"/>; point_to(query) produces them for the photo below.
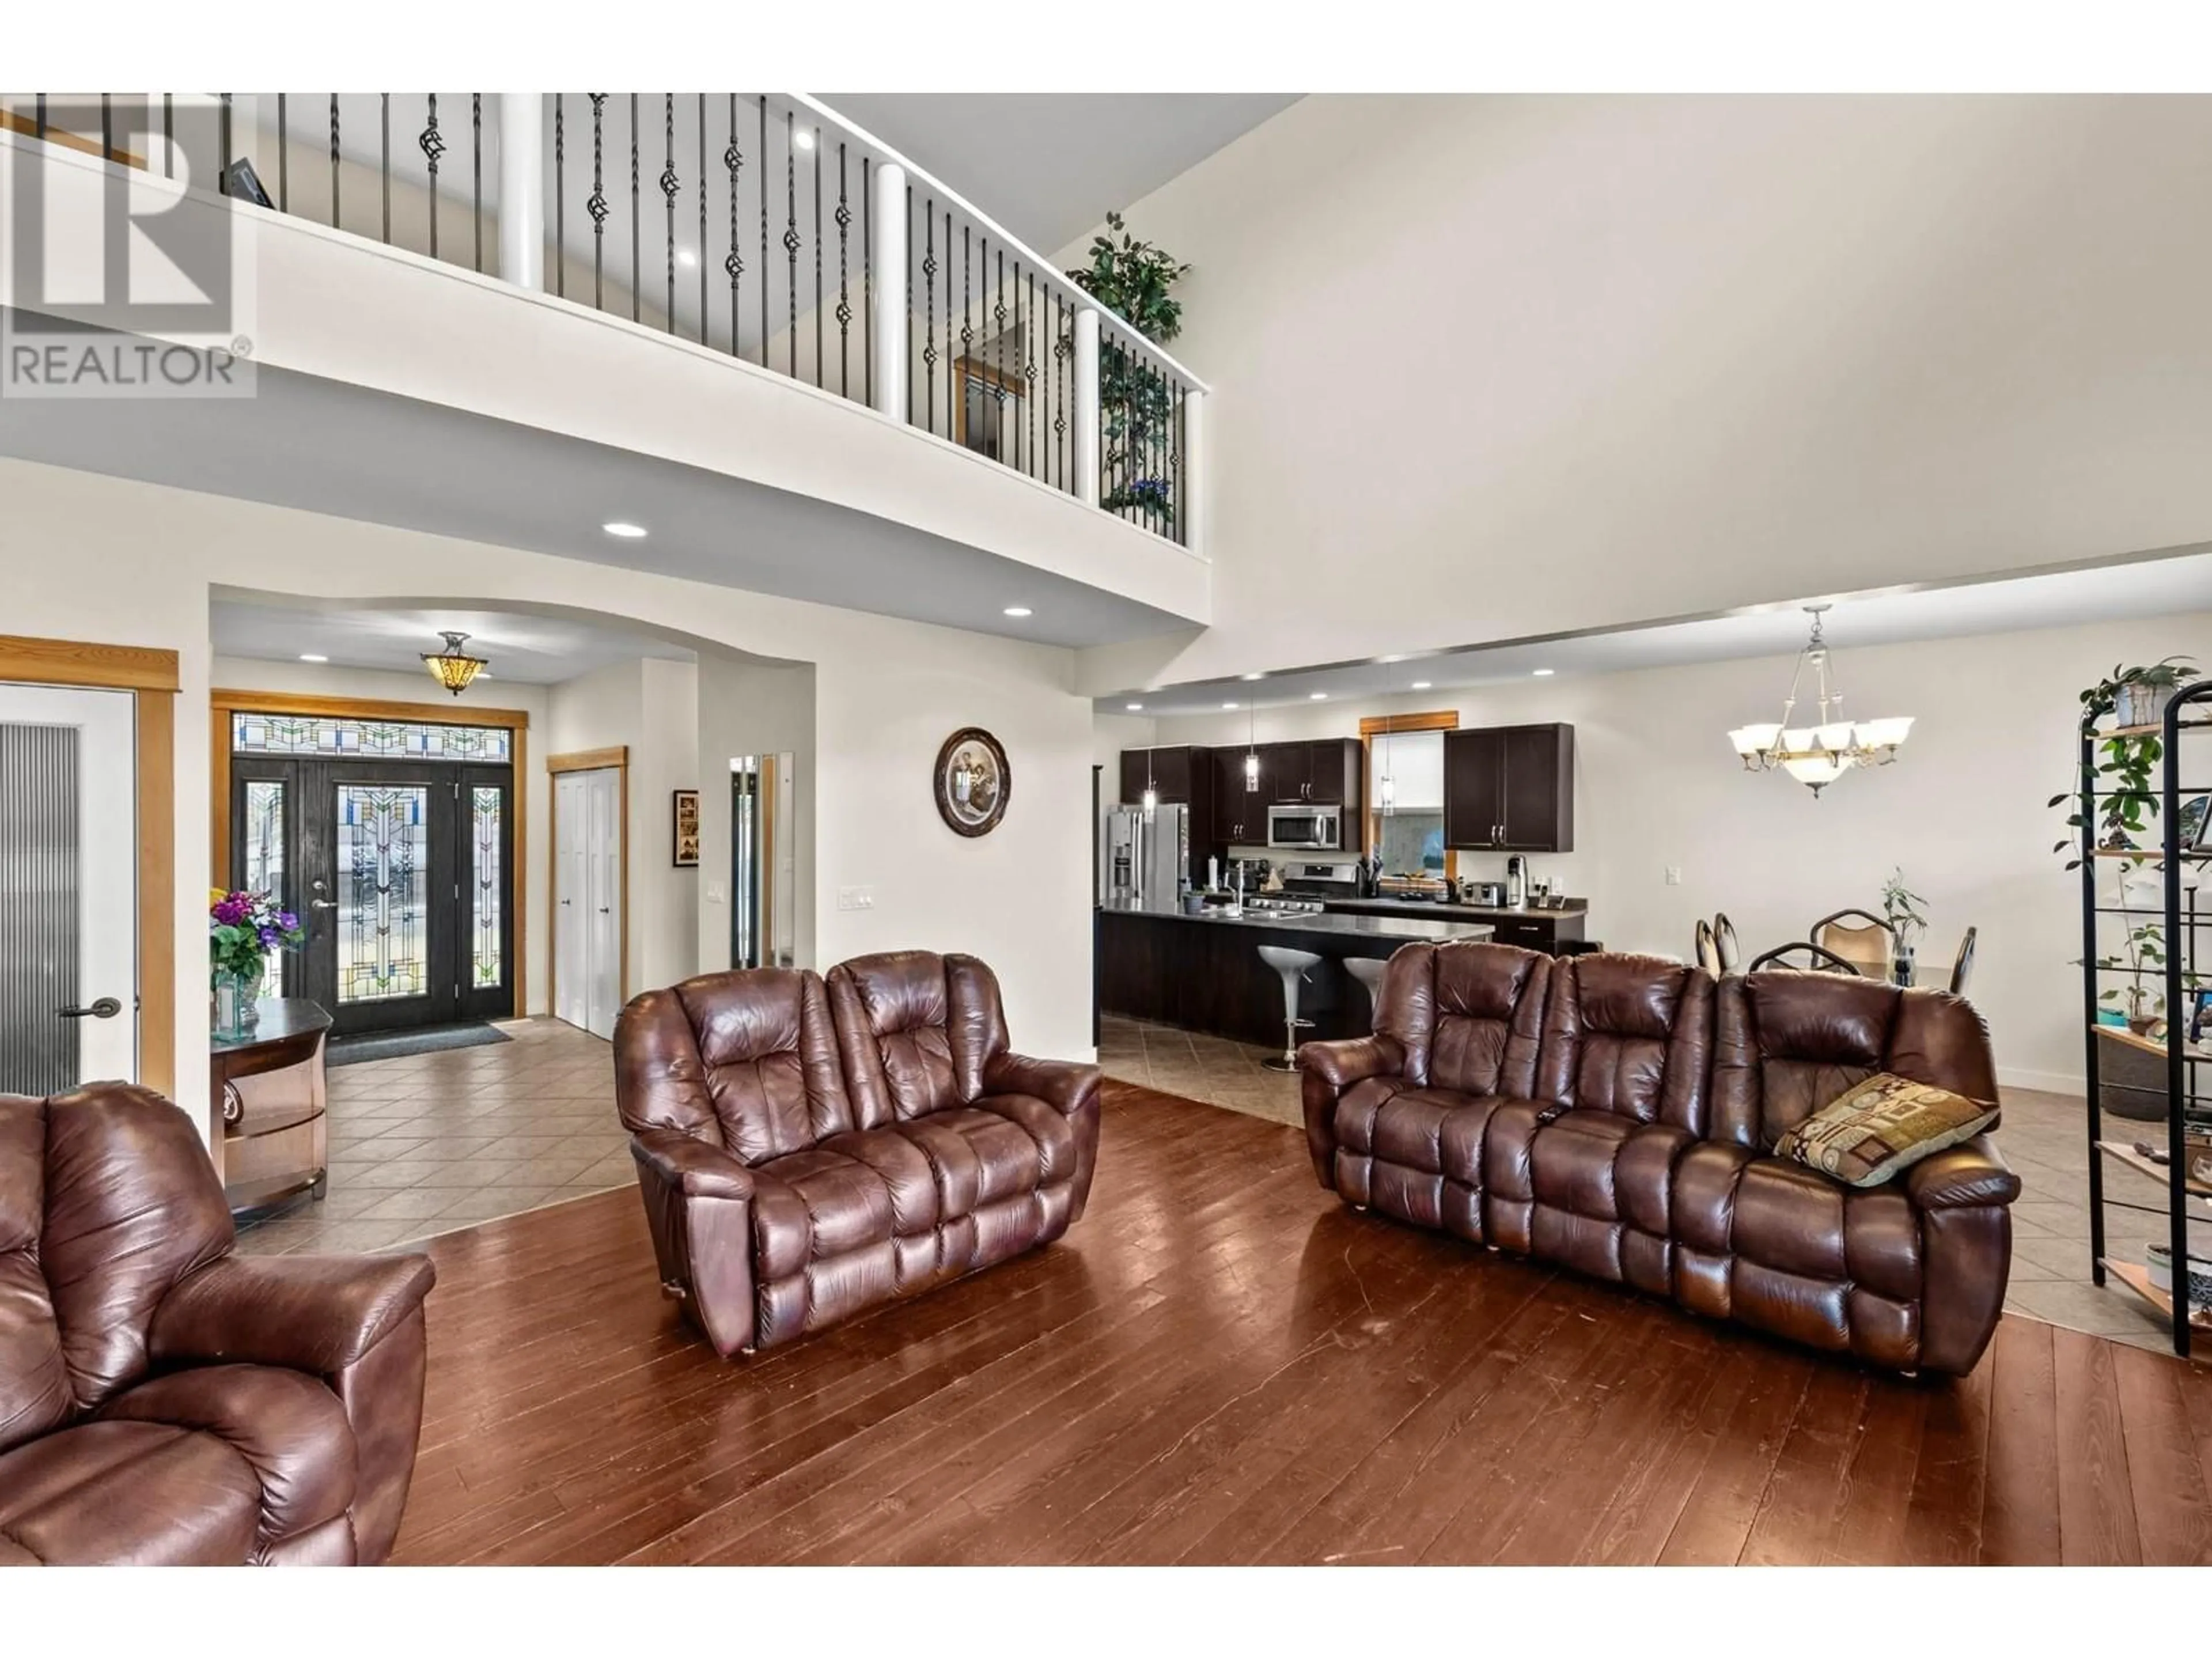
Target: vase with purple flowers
<point x="243" y="927"/>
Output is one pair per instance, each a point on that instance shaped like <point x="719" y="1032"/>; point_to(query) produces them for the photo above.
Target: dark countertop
<point x="279" y="1019"/>
<point x="1404" y="929"/>
<point x="1388" y="907"/>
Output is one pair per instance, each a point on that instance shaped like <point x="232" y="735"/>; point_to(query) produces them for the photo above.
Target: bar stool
<point x="1368" y="971"/>
<point x="1292" y="966"/>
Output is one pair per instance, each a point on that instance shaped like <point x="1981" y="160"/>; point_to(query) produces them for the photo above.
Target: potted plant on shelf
<point x="1137" y="412"/>
<point x="2126" y="762"/>
<point x="1900" y="907"/>
<point x="2143" y="958"/>
<point x="243" y="927"/>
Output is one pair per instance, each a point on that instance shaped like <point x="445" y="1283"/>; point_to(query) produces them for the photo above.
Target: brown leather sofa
<point x="163" y="1401"/>
<point x="807" y="1150"/>
<point x="1617" y="1115"/>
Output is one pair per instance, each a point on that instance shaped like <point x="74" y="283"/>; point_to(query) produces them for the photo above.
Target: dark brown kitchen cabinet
<point x="1286" y="770"/>
<point x="1178" y="773"/>
<point x="1511" y="788"/>
<point x="1334" y="769"/>
<point x="1240" y="815"/>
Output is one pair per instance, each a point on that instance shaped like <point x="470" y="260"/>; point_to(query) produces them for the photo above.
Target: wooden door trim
<point x="97" y="667"/>
<point x="226" y="701"/>
<point x="1373" y="726"/>
<point x="150" y="676"/>
<point x="614" y="758"/>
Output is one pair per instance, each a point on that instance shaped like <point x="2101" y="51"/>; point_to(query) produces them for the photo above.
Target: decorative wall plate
<point x="973" y="781"/>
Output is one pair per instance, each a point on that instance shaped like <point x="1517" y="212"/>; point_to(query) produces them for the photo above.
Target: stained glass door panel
<point x="384" y="869"/>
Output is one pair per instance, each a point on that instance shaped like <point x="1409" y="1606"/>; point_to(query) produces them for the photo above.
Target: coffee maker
<point x="1517" y="883"/>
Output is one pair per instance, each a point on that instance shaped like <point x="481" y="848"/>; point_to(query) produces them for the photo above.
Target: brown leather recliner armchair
<point x="799" y="1165"/>
<point x="1617" y="1115"/>
<point x="163" y="1401"/>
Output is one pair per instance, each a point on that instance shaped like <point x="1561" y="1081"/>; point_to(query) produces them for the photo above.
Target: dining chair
<point x="1709" y="950"/>
<point x="1962" y="970"/>
<point x="1818" y="959"/>
<point x="1724" y="938"/>
<point x="1872" y="949"/>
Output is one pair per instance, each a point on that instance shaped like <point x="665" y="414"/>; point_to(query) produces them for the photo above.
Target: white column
<point x="887" y="349"/>
<point x="1192" y="504"/>
<point x="1086" y="415"/>
<point x="522" y="188"/>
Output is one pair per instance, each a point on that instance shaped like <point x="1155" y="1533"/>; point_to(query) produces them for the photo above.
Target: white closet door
<point x="69" y="879"/>
<point x="604" y="923"/>
<point x="571" y="902"/>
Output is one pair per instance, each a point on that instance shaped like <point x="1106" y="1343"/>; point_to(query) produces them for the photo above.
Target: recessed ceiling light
<point x="1229" y="705"/>
<point x="1018" y="611"/>
<point x="310" y="656"/>
<point x="627" y="531"/>
<point x="803" y="138"/>
<point x="1317" y="696"/>
<point x="1422" y="685"/>
<point x="1539" y="673"/>
<point x="1251" y="677"/>
<point x="1134" y="707"/>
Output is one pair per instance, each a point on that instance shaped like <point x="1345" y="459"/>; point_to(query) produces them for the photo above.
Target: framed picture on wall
<point x="687" y="829"/>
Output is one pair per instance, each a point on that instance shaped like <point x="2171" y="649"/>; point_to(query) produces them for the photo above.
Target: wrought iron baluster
<point x="761" y="98"/>
<point x="283" y="150"/>
<point x="433" y="147"/>
<point x="636" y="258"/>
<point x="1030" y="369"/>
<point x="107" y="127"/>
<point x="40" y="124"/>
<point x="476" y="176"/>
<point x="669" y="185"/>
<point x="928" y="318"/>
<point x="1060" y="350"/>
<point x="561" y="194"/>
<point x="790" y="250"/>
<point x="734" y="264"/>
<point x="816" y="153"/>
<point x="999" y="358"/>
<point x="596" y="203"/>
<point x="169" y="131"/>
<point x="965" y="365"/>
<point x="844" y="298"/>
<point x="335" y="223"/>
<point x="701" y="116"/>
<point x="384" y="105"/>
<point x="1181" y="521"/>
<point x="222" y="128"/>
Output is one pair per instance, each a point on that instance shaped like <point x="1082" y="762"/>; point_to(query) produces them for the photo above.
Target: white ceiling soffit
<point x="525" y="649"/>
<point x="326" y="446"/>
<point x="1050" y="166"/>
<point x="2175" y="583"/>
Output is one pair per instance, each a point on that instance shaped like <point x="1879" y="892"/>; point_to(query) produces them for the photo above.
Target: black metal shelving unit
<point x="2188" y="1069"/>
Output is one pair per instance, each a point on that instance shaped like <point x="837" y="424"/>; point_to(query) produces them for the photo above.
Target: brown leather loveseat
<point x="163" y="1401"/>
<point x="1617" y="1115"/>
<point x="806" y="1150"/>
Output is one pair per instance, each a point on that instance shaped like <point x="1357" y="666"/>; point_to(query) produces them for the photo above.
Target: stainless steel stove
<point x="1284" y="904"/>
<point x="1308" y="884"/>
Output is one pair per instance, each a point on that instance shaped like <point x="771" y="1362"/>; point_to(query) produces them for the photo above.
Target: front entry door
<point x="68" y="883"/>
<point x="401" y="872"/>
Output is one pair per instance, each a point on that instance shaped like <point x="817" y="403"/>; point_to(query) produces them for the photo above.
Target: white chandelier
<point x="1817" y="755"/>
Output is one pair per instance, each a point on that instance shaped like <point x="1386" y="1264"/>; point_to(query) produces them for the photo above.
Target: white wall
<point x="1494" y="366"/>
<point x="326" y="680"/>
<point x="1962" y="810"/>
<point x="888" y="693"/>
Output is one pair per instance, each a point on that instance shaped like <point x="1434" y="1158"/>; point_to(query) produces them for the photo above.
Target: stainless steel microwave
<point x="1319" y="829"/>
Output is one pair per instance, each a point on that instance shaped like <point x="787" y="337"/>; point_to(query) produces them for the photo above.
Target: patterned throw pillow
<point x="1883" y="1125"/>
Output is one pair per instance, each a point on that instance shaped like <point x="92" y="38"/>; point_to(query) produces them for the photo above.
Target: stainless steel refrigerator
<point x="1141" y="860"/>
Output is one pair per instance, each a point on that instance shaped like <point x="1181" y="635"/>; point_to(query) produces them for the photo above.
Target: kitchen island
<point x="1534" y="927"/>
<point x="1203" y="973"/>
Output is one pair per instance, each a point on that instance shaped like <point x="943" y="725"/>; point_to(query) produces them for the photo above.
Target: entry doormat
<point x="428" y="1039"/>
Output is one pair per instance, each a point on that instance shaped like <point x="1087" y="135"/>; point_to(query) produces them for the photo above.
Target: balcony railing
<point x="762" y="225"/>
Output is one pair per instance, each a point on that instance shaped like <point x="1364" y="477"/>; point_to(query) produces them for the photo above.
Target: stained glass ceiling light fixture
<point x="1817" y="755"/>
<point x="453" y="668"/>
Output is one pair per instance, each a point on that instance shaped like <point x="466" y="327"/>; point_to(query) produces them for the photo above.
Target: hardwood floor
<point x="1221" y="1363"/>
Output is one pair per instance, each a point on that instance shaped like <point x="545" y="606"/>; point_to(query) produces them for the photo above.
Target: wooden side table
<point x="270" y="1133"/>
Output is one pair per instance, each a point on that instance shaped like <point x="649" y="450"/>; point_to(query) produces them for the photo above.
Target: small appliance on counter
<point x="1517" y="883"/>
<point x="1430" y="888"/>
<point x="1491" y="895"/>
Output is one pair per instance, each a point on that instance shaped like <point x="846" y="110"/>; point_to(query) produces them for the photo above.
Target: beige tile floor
<point x="2042" y="1139"/>
<point x="429" y="1143"/>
